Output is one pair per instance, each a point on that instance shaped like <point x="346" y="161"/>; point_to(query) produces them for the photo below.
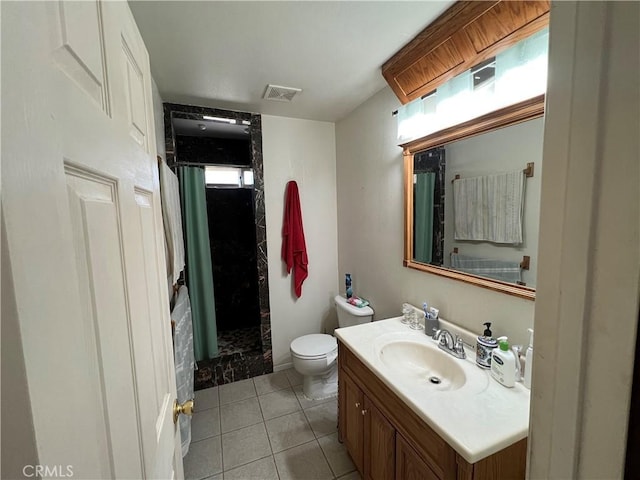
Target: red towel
<point x="294" y="249"/>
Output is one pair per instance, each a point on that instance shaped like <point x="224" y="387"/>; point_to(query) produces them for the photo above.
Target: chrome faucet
<point x="448" y="344"/>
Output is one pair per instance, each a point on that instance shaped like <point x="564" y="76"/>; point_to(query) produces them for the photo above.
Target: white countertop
<point x="479" y="419"/>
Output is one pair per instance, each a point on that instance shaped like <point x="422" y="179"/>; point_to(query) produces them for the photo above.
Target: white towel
<point x="489" y="208"/>
<point x="172" y="219"/>
<point x="184" y="359"/>
<point x="504" y="270"/>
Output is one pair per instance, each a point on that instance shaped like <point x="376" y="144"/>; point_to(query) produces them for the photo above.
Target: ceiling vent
<point x="280" y="94"/>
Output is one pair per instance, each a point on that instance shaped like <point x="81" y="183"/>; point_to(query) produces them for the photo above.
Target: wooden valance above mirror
<point x="466" y="34"/>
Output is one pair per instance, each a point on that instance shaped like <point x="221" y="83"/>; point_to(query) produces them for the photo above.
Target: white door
<point x="82" y="213"/>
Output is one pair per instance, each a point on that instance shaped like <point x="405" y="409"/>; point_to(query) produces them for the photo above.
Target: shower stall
<point x="227" y="147"/>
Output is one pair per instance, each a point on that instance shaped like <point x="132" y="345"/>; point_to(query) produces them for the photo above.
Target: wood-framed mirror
<point x="419" y="154"/>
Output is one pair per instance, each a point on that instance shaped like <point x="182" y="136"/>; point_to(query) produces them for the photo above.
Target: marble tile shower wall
<point x="237" y="366"/>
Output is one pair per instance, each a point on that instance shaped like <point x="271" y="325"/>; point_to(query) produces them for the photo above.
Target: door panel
<point x="152" y="341"/>
<point x="83" y="223"/>
<point x="80" y="54"/>
<point x="98" y="246"/>
<point x="134" y="82"/>
<point x="133" y="66"/>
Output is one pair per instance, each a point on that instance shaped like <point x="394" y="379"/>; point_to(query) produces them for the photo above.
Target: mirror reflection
<point x="475" y="210"/>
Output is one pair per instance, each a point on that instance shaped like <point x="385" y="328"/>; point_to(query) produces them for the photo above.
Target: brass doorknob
<point x="186" y="409"/>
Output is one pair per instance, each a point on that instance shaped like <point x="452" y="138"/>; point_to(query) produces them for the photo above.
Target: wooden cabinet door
<point x="409" y="466"/>
<point x="352" y="408"/>
<point x="379" y="444"/>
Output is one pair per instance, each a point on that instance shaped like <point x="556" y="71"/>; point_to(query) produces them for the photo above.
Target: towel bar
<point x="524" y="264"/>
<point x="528" y="172"/>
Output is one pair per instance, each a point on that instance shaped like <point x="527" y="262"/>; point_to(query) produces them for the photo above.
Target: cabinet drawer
<point x="433" y="450"/>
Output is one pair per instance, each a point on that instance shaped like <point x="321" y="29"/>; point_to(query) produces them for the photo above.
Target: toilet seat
<point x="314" y="346"/>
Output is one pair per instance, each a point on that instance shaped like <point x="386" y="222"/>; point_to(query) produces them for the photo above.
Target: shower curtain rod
<point x="198" y="164"/>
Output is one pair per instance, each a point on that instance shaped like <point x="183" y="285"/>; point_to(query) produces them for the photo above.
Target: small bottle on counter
<point x="484" y="346"/>
<point x="503" y="363"/>
<point x="528" y="361"/>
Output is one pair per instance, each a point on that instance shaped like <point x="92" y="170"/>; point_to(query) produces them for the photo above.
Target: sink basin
<point x="421" y="365"/>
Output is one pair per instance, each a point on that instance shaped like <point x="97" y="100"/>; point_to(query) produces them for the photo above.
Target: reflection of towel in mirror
<point x="503" y="270"/>
<point x="294" y="249"/>
<point x="489" y="208"/>
<point x="184" y="360"/>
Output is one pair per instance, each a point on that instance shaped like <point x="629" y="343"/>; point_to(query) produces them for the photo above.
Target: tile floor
<point x="264" y="428"/>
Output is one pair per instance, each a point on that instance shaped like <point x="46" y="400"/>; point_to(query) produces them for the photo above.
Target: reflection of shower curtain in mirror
<point x="199" y="276"/>
<point x="423" y="221"/>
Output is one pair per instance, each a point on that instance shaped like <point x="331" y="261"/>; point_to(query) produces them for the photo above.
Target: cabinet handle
<point x="364" y="412"/>
<point x="357" y="404"/>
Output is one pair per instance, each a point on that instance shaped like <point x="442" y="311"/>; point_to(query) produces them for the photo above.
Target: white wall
<point x="504" y="150"/>
<point x="589" y="278"/>
<point x="371" y="226"/>
<point x="158" y="120"/>
<point x="304" y="151"/>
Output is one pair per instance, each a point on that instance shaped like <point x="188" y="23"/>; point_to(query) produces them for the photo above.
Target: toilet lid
<point x="314" y="345"/>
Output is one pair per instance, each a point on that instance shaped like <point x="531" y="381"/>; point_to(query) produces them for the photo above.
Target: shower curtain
<point x="199" y="275"/>
<point x="423" y="211"/>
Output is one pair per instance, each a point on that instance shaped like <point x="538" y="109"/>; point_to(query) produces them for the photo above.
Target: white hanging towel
<point x="489" y="208"/>
<point x="184" y="359"/>
<point x="172" y="219"/>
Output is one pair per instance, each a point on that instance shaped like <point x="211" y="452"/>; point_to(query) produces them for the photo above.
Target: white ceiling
<point x="224" y="53"/>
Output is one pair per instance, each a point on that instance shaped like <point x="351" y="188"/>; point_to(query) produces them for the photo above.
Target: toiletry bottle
<point x="517" y="350"/>
<point x="431" y="323"/>
<point x="503" y="363"/>
<point x="347" y="282"/>
<point x="484" y="346"/>
<point x="528" y="360"/>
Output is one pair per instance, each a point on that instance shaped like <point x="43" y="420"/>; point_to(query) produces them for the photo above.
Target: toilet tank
<point x="349" y="315"/>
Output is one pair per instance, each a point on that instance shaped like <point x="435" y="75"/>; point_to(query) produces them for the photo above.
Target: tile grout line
<point x="326" y="459"/>
<point x="248" y="463"/>
<point x="221" y="450"/>
<point x="264" y="422"/>
<point x="317" y="439"/>
<point x="303" y="410"/>
<point x="292" y="388"/>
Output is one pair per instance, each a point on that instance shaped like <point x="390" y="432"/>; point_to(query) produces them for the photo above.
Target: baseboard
<point x="284" y="366"/>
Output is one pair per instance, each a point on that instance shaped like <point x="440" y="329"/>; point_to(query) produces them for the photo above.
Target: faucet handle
<point x="441" y="336"/>
<point x="459" y="345"/>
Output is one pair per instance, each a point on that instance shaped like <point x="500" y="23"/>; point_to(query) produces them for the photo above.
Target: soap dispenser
<point x="484" y="346"/>
<point x="503" y="363"/>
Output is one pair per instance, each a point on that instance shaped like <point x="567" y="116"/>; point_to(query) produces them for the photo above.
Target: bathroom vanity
<point x="406" y="411"/>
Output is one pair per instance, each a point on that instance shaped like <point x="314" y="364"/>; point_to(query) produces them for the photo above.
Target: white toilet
<point x="315" y="356"/>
